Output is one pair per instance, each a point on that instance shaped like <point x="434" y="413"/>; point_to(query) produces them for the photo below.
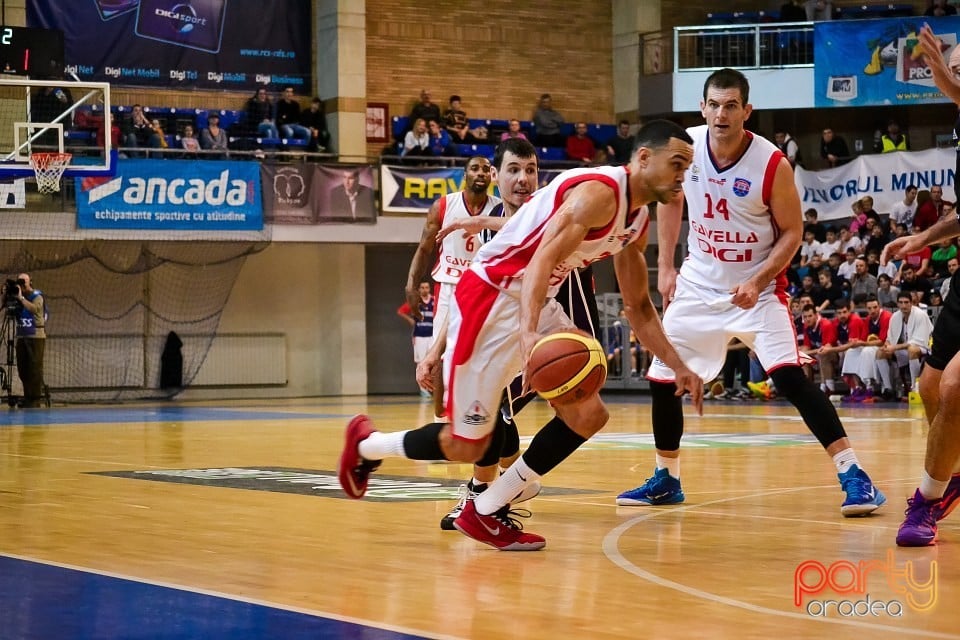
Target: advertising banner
<point x="312" y="194"/>
<point x="882" y="176"/>
<point x="876" y="62"/>
<point x="212" y="44"/>
<point x="190" y="195"/>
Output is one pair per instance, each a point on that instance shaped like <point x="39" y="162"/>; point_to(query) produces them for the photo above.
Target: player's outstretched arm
<point x="422" y="256"/>
<point x="633" y="278"/>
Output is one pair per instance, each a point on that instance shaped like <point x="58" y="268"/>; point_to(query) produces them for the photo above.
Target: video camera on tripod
<point x="11" y="295"/>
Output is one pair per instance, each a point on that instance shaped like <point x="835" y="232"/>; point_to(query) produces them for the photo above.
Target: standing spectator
<point x="422" y="325"/>
<point x="810" y="220"/>
<point x="260" y="116"/>
<point x="871" y="214"/>
<point x="30" y="340"/>
<point x="620" y="146"/>
<point x="315" y="119"/>
<point x="579" y="146"/>
<point x="548" y="123"/>
<point x="425" y="109"/>
<point x="417" y="140"/>
<point x="439" y="141"/>
<point x="513" y="131"/>
<point x="189" y="140"/>
<point x="288" y="117"/>
<point x="137" y="130"/>
<point x="833" y="149"/>
<point x="893" y="139"/>
<point x="862" y="283"/>
<point x="788" y="146"/>
<point x="904" y="210"/>
<point x="213" y="138"/>
<point x="456" y="123"/>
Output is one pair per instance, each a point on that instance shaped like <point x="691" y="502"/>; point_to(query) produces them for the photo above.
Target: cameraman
<point x="31" y="340"/>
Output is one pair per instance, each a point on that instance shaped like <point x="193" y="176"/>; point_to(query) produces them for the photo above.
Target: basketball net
<point x="49" y="168"/>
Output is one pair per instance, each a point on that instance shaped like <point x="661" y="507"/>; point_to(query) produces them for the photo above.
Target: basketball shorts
<point x="421" y="347"/>
<point x="700" y="322"/>
<point x="946" y="331"/>
<point x="443" y="294"/>
<point x="483" y="352"/>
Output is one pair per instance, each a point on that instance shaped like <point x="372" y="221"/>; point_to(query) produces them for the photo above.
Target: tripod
<point x="8" y="331"/>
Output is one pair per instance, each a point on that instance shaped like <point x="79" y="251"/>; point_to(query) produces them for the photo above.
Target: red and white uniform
<point x="484" y="330"/>
<point x="731" y="235"/>
<point x="455" y="252"/>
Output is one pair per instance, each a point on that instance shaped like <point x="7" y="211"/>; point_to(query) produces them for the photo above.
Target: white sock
<point x="932" y="489"/>
<point x="672" y="465"/>
<point x="383" y="445"/>
<point x="846" y="459"/>
<point x="505" y="488"/>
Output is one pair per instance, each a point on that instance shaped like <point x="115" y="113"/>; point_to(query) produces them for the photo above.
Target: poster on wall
<point x="859" y="63"/>
<point x="210" y="44"/>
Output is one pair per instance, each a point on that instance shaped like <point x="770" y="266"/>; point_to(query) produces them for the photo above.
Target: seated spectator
<point x="818" y="332"/>
<point x="213" y="138"/>
<point x="904" y="210"/>
<point x="137" y="130"/>
<point x="919" y="261"/>
<point x="456" y="123"/>
<point x="288" y="117"/>
<point x="809" y="247"/>
<point x="952" y="265"/>
<point x="158" y="138"/>
<point x="862" y="283"/>
<point x="927" y="212"/>
<point x="831" y="245"/>
<point x="886" y="292"/>
<point x="417" y="140"/>
<point x="513" y="131"/>
<point x="115" y="135"/>
<point x="830" y="292"/>
<point x="908" y="340"/>
<point x="547" y="123"/>
<point x="869" y="211"/>
<point x="425" y="109"/>
<point x="877" y="240"/>
<point x="848" y="267"/>
<point x="850" y="241"/>
<point x="579" y="146"/>
<point x="315" y="119"/>
<point x="833" y="149"/>
<point x="788" y="146"/>
<point x="620" y="146"/>
<point x="439" y="141"/>
<point x="189" y="140"/>
<point x="810" y="219"/>
<point x="936" y="194"/>
<point x="911" y="281"/>
<point x="891" y="269"/>
<point x="946" y="250"/>
<point x="260" y="116"/>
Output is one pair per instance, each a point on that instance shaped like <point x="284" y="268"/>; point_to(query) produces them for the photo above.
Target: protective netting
<point x="113" y="303"/>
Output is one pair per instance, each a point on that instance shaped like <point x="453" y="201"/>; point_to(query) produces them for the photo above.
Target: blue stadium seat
<point x="485" y="150"/>
<point x="400" y="126"/>
<point x="552" y="153"/>
<point x="600" y="133"/>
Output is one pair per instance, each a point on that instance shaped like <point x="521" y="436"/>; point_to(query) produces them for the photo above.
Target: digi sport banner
<point x="211" y="44"/>
<point x="877" y="62"/>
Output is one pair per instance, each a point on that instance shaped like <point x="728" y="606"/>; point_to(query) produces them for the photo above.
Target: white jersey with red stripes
<point x="456" y="252"/>
<point x="503" y="261"/>
<point x="731" y="228"/>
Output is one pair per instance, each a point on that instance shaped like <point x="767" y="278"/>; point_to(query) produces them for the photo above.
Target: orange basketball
<point x="566" y="367"/>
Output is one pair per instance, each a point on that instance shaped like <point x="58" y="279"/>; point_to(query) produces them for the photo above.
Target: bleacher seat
<point x="485" y="150"/>
<point x="400" y="126"/>
<point x="600" y="133"/>
<point x="552" y="153"/>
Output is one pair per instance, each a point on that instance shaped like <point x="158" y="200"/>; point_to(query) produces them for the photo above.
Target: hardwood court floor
<point x="238" y="504"/>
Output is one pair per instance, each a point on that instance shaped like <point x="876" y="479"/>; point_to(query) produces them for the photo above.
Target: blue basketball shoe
<point x="862" y="497"/>
<point x="662" y="488"/>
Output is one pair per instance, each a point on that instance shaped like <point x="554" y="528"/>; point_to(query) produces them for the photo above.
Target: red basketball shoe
<point x="949" y="502"/>
<point x="352" y="470"/>
<point x="498" y="530"/>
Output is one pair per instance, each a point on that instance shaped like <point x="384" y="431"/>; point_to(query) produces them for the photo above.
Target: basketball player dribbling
<point x="745" y="226"/>
<point x="456" y="251"/>
<point x="582" y="216"/>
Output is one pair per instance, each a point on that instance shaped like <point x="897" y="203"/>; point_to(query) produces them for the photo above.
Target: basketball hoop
<point x="49" y="168"/>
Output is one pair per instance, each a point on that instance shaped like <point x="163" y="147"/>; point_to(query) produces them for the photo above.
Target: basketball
<point x="566" y="367"/>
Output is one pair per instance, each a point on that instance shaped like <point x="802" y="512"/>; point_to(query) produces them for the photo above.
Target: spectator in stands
<point x="893" y="139"/>
<point x="288" y="117"/>
<point x="189" y="140"/>
<point x="946" y="250"/>
<point x="137" y="129"/>
<point x="936" y="194"/>
<point x="919" y="261"/>
<point x="848" y="267"/>
<point x="417" y="140"/>
<point x="818" y="332"/>
<point x="788" y="146"/>
<point x="952" y="265"/>
<point x="456" y="123"/>
<point x="908" y="340"/>
<point x="830" y="292"/>
<point x="548" y="123"/>
<point x="874" y="267"/>
<point x="866" y="203"/>
<point x="886" y="292"/>
<point x="46" y="104"/>
<point x="862" y="284"/>
<point x="833" y="149"/>
<point x="260" y="116"/>
<point x="911" y="281"/>
<point x="809" y="248"/>
<point x="158" y="139"/>
<point x="439" y="141"/>
<point x="315" y="119"/>
<point x="620" y="146"/>
<point x="213" y="138"/>
<point x="810" y="220"/>
<point x="793" y="11"/>
<point x="513" y="131"/>
<point x="939" y="8"/>
<point x="904" y="210"/>
<point x="831" y="245"/>
<point x="850" y="241"/>
<point x="425" y="109"/>
<point x="579" y="146"/>
<point x="818" y="10"/>
<point x="927" y="210"/>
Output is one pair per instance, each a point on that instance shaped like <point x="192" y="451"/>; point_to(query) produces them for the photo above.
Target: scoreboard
<point x="37" y="53"/>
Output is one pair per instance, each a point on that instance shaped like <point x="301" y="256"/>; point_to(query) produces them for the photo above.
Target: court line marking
<point x="611" y="549"/>
<point x="227" y="596"/>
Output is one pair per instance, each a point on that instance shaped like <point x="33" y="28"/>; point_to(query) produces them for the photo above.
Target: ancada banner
<point x="882" y="176"/>
<point x="188" y="195"/>
<point x="209" y="44"/>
